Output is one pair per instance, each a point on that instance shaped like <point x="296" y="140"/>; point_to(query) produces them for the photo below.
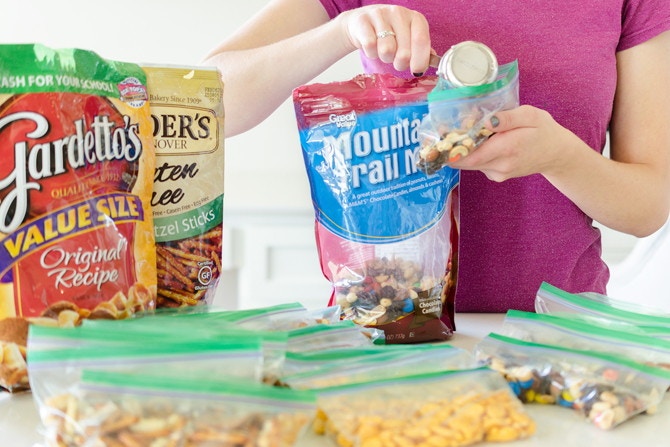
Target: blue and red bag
<point x="387" y="233"/>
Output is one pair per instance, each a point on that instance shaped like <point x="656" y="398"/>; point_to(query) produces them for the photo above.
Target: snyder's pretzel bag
<point x="76" y="230"/>
<point x="387" y="233"/>
<point x="187" y="115"/>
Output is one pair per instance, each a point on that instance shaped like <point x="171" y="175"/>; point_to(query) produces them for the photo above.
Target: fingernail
<point x="495" y="121"/>
<point x="417" y="75"/>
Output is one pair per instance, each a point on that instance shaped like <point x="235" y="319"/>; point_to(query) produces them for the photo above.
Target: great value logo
<point x="348" y="120"/>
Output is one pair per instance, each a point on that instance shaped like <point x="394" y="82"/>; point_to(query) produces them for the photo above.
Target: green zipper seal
<point x="604" y="309"/>
<point x="506" y="75"/>
<point x="580" y="326"/>
<point x="623" y="361"/>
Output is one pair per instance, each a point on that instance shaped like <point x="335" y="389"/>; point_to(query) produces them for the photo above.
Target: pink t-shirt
<point x="520" y="232"/>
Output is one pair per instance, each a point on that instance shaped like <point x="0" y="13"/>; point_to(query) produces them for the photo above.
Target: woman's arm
<point x="629" y="192"/>
<point x="290" y="42"/>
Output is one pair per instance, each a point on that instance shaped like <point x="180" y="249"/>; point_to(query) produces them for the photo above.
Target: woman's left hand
<point x="526" y="140"/>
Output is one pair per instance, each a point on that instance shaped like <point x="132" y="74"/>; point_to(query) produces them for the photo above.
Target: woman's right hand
<point x="392" y="34"/>
<point x="297" y="40"/>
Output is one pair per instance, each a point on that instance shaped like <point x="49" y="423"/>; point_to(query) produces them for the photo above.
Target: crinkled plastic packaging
<point x="76" y="228"/>
<point x="387" y="234"/>
<point x="187" y="200"/>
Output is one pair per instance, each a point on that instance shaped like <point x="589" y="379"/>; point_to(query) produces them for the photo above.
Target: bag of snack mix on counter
<point x="110" y="409"/>
<point x="216" y="326"/>
<point x="595" y="307"/>
<point x="55" y="370"/>
<point x="187" y="202"/>
<point x="606" y="389"/>
<point x="576" y="333"/>
<point x="76" y="230"/>
<point x="418" y="359"/>
<point x="448" y="408"/>
<point x="387" y="234"/>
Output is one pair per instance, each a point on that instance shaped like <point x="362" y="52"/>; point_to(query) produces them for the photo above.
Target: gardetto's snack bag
<point x="387" y="234"/>
<point x="76" y="230"/>
<point x="187" y="115"/>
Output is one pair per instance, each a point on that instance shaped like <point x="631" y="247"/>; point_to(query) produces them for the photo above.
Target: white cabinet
<point x="271" y="258"/>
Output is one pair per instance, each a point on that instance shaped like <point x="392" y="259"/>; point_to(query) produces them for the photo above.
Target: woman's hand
<point x="526" y="141"/>
<point x="393" y="34"/>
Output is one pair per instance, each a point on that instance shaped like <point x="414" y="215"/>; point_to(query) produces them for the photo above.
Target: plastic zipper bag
<point x="109" y="409"/>
<point x="383" y="365"/>
<point x="343" y="334"/>
<point x="552" y="300"/>
<point x="156" y="330"/>
<point x="604" y="388"/>
<point x="454" y="126"/>
<point x="304" y="362"/>
<point x="454" y="408"/>
<point x="578" y="334"/>
<point x="280" y="317"/>
<point x="52" y="371"/>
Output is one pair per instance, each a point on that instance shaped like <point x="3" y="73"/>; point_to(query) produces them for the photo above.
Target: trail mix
<point x="450" y="144"/>
<point x="386" y="290"/>
<point x="85" y="420"/>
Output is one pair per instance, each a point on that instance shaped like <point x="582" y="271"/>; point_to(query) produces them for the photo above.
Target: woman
<point x="530" y="193"/>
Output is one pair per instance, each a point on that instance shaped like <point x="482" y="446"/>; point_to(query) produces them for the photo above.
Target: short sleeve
<point x="641" y="20"/>
<point x="335" y="7"/>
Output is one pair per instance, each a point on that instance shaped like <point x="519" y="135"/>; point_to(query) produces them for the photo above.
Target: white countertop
<point x="556" y="426"/>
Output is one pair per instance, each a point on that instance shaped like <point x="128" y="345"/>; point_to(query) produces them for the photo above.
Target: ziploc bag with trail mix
<point x="58" y="368"/>
<point x="455" y="124"/>
<point x="417" y="359"/>
<point x="76" y="230"/>
<point x="111" y="409"/>
<point x="606" y="389"/>
<point x="579" y="334"/>
<point x="187" y="202"/>
<point x="387" y="234"/>
<point x="448" y="408"/>
<point x="552" y="300"/>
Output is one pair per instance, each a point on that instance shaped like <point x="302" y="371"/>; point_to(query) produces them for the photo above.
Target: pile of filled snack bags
<point x="271" y="376"/>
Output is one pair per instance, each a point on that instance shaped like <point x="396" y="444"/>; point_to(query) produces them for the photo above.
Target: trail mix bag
<point x="455" y="123"/>
<point x="111" y="409"/>
<point x="76" y="231"/>
<point x="606" y="389"/>
<point x="386" y="232"/>
<point x="187" y="202"/>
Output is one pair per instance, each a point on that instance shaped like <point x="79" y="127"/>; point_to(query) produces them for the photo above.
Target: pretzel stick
<point x="175" y="271"/>
<point x="185" y="254"/>
<point x="178" y="297"/>
<point x="217" y="262"/>
<point x="170" y="259"/>
<point x="213" y="233"/>
<point x="200" y="246"/>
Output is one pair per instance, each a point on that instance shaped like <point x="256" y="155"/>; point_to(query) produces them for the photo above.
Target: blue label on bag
<point x="365" y="183"/>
